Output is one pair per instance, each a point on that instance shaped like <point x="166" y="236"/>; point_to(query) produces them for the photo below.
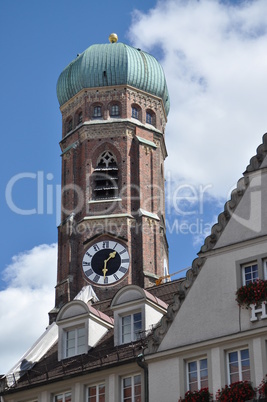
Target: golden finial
<point x="113" y="38"/>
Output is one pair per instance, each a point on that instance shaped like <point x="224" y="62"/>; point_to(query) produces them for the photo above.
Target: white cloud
<point x="215" y="60"/>
<point x="25" y="303"/>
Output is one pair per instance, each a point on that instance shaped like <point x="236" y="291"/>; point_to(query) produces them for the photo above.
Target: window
<point x="265" y="269"/>
<point x="66" y="397"/>
<point x="131" y="326"/>
<point x="97" y="111"/>
<point x="238" y="366"/>
<point x="80" y="118"/>
<point x="250" y="273"/>
<point x="75" y="342"/>
<point x="197" y="374"/>
<point x="106" y="177"/>
<point x="69" y="125"/>
<point x="135" y="113"/>
<point x="114" y="111"/>
<point x="96" y="393"/>
<point x="131" y="389"/>
<point x="148" y="117"/>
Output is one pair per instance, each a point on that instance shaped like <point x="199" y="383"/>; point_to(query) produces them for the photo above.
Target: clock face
<point x="106" y="262"/>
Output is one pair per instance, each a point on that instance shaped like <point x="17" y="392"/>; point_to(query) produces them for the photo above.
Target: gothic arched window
<point x="106" y="177"/>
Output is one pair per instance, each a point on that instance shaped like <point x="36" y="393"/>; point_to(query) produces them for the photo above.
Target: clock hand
<point x="105" y="270"/>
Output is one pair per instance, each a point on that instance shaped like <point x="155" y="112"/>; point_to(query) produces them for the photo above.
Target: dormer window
<point x="106" y="177"/>
<point x="135" y="312"/>
<point x="80" y="327"/>
<point x="75" y="342"/>
<point x="97" y="112"/>
<point x="131" y="327"/>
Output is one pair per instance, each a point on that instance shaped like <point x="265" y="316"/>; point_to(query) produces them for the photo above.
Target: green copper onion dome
<point x="113" y="64"/>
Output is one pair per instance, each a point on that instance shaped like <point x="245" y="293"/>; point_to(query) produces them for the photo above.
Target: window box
<point x="252" y="293"/>
<point x="238" y="391"/>
<point x="203" y="395"/>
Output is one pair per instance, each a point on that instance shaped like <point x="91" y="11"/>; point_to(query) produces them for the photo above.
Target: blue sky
<point x="214" y="57"/>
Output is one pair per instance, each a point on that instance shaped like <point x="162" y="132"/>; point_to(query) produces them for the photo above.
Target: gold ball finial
<point x="113" y="38"/>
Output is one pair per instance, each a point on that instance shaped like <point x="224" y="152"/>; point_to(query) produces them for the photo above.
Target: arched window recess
<point x="106" y="177"/>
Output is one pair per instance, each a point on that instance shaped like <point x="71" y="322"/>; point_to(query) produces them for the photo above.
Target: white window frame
<point x="67" y="330"/>
<point x="133" y="334"/>
<point x="265" y="269"/>
<point x="199" y="370"/>
<point x="64" y="395"/>
<point x="97" y="386"/>
<point x="133" y="396"/>
<point x="244" y="266"/>
<point x="239" y="362"/>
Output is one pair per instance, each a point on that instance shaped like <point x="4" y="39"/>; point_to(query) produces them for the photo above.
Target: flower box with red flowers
<point x="253" y="293"/>
<point x="239" y="391"/>
<point x="263" y="389"/>
<point x="203" y="395"/>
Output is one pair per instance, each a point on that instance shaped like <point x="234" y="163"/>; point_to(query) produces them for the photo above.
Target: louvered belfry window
<point x="106" y="177"/>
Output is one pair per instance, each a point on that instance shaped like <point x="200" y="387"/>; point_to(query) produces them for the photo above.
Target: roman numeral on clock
<point x="89" y="272"/>
<point x="123" y="270"/>
<point x="116" y="277"/>
<point x="96" y="278"/>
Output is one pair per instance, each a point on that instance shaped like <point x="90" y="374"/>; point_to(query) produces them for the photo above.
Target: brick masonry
<point x="136" y="217"/>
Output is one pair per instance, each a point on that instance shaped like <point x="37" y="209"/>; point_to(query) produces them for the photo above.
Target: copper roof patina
<point x="112" y="64"/>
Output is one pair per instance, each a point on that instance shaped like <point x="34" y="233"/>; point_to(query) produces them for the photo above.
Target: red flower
<point x="263" y="388"/>
<point x="203" y="395"/>
<point x="239" y="391"/>
<point x="253" y="293"/>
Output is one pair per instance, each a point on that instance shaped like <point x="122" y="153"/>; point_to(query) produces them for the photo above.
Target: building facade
<point x="118" y="333"/>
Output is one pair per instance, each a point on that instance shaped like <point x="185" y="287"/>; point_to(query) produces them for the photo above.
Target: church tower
<point x="114" y="104"/>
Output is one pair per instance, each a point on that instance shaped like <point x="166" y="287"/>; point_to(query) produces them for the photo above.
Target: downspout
<point x="141" y="363"/>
